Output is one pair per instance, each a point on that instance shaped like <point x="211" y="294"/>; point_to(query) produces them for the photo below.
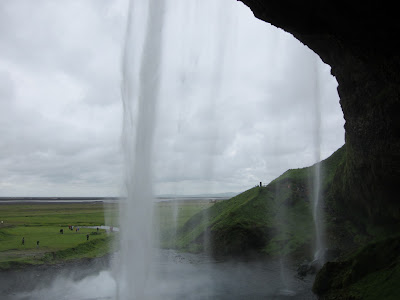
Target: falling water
<point x="282" y="224"/>
<point x="140" y="90"/>
<point x="175" y="217"/>
<point x="132" y="276"/>
<point x="317" y="193"/>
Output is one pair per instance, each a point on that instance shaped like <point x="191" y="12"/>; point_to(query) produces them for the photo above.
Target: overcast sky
<point x="240" y="100"/>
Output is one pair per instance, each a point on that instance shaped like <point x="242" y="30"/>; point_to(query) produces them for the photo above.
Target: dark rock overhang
<point x="358" y="39"/>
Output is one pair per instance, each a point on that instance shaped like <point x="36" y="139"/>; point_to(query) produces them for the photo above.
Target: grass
<point x="171" y="215"/>
<point x="272" y="220"/>
<point x="62" y="215"/>
<point x="253" y="220"/>
<point x="42" y="222"/>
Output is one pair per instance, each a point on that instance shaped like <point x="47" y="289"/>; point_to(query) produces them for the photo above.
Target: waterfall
<point x="140" y="88"/>
<point x="281" y="222"/>
<point x="317" y="192"/>
<point x="317" y="202"/>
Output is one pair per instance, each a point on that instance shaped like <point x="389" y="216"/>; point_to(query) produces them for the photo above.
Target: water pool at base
<point x="174" y="276"/>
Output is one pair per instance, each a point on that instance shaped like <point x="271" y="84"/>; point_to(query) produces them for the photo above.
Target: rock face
<point x="358" y="40"/>
<point x="373" y="272"/>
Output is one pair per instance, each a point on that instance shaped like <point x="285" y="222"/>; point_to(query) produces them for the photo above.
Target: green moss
<point x="373" y="272"/>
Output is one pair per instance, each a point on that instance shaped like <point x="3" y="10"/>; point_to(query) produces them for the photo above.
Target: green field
<point x="42" y="222"/>
<point x="171" y="215"/>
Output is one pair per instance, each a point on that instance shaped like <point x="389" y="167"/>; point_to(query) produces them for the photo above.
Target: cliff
<point x="358" y="40"/>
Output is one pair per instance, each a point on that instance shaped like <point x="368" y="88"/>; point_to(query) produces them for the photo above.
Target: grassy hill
<point x="262" y="220"/>
<point x="277" y="220"/>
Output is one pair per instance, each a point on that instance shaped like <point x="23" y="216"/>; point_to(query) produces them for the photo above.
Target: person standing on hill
<point x="87" y="237"/>
<point x="23" y="241"/>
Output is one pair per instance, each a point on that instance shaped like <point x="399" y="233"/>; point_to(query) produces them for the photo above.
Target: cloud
<point x="258" y="122"/>
<point x="237" y="99"/>
<point x="61" y="111"/>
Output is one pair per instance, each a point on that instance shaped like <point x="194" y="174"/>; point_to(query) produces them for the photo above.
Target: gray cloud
<point x="260" y="122"/>
<point x="60" y="105"/>
<point x="236" y="104"/>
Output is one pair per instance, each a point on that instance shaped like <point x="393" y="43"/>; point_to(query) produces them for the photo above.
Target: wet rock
<point x="311" y="268"/>
<point x="331" y="254"/>
<point x="307" y="268"/>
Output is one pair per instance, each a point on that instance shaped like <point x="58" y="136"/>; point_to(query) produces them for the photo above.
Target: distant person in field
<point x="37" y="244"/>
<point x="87" y="237"/>
<point x="62" y="231"/>
<point x="23" y="241"/>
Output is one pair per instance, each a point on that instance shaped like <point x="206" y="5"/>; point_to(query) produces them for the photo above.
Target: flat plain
<point x="42" y="222"/>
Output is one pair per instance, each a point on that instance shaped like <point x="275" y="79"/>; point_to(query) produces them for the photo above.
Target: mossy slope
<point x="271" y="220"/>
